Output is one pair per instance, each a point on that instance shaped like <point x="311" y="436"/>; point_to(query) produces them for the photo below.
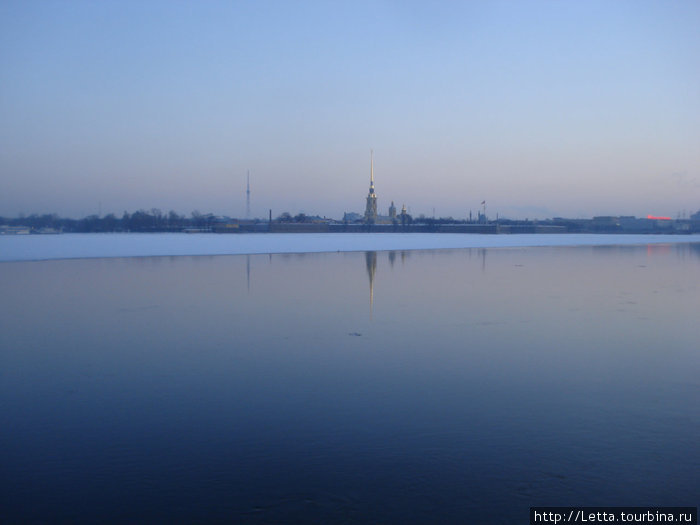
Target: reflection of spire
<point x="371" y="260"/>
<point x="392" y="258"/>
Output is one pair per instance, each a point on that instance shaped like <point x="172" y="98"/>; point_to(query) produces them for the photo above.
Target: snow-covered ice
<point x="85" y="245"/>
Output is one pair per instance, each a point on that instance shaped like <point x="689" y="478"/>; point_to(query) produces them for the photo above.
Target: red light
<point x="658" y="218"/>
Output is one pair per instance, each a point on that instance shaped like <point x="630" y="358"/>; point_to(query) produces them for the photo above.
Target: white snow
<point x="85" y="245"/>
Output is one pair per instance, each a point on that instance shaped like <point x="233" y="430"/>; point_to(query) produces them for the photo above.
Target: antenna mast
<point x="247" y="197"/>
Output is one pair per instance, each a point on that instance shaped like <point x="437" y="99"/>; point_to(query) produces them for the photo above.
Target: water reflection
<point x="558" y="376"/>
<point x="247" y="271"/>
<point x="371" y="262"/>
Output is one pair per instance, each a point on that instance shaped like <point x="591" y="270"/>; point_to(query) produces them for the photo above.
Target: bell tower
<point x="371" y="208"/>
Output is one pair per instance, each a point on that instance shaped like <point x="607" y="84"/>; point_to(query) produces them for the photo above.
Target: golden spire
<point x="371" y="209"/>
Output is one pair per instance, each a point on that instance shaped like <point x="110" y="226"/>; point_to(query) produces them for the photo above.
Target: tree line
<point x="139" y="221"/>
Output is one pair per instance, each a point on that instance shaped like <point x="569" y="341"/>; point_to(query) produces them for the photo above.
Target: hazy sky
<point x="555" y="108"/>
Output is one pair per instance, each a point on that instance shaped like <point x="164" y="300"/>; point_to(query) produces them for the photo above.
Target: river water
<point x="388" y="387"/>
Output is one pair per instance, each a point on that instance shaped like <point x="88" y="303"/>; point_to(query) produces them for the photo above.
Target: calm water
<point x="392" y="387"/>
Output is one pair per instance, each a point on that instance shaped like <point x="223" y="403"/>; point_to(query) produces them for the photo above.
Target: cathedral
<point x="371" y="208"/>
<point x="371" y="216"/>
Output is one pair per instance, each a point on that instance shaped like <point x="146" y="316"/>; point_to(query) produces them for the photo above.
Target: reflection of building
<point x="371" y="208"/>
<point x="371" y="260"/>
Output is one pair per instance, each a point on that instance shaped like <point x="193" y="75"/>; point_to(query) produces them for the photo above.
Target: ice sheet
<point x="85" y="245"/>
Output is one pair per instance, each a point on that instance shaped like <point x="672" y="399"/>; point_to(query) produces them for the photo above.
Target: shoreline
<point x="18" y="248"/>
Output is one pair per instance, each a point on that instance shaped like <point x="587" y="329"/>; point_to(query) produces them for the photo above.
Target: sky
<point x="539" y="108"/>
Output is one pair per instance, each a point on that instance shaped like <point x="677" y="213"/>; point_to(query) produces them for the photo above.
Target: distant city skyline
<point x="542" y="109"/>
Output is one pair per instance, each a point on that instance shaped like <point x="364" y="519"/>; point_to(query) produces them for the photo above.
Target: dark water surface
<point x="382" y="387"/>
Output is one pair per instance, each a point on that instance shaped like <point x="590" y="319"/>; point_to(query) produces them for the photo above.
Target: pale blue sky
<point x="539" y="108"/>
